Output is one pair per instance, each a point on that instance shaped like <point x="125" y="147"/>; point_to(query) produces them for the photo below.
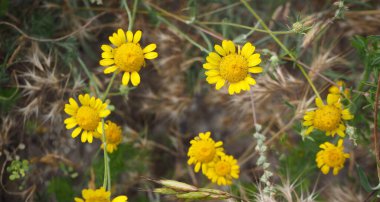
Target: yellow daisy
<point x="227" y="65"/>
<point x="203" y="150"/>
<point x="328" y="118"/>
<point x="87" y="117"/>
<point x="126" y="55"/>
<point x="223" y="170"/>
<point x="331" y="156"/>
<point x="113" y="136"/>
<point x="99" y="195"/>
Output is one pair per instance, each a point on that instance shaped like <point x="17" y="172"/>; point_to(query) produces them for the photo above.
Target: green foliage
<point x="125" y="159"/>
<point x="62" y="189"/>
<point x="17" y="169"/>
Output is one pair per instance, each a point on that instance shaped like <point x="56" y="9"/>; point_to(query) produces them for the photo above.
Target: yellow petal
<point x="212" y="73"/>
<point x="89" y="137"/>
<point x="250" y="80"/>
<point x="73" y="103"/>
<point x="220" y="50"/>
<point x="110" y="69"/>
<point x="107" y="55"/>
<point x="83" y="138"/>
<point x="213" y="79"/>
<point x="319" y="102"/>
<point x="309" y="130"/>
<point x="106" y="62"/>
<point x="135" y="78"/>
<point x="197" y="167"/>
<point x="125" y="79"/>
<point x="255" y="70"/>
<point x="70" y="120"/>
<point x="129" y="36"/>
<point x="106" y="48"/>
<point x="120" y="199"/>
<point x="76" y="132"/>
<point x="247" y="50"/>
<point x="151" y="55"/>
<point x="149" y="48"/>
<point x="121" y="35"/>
<point x="220" y="84"/>
<point x="325" y="169"/>
<point x="209" y="66"/>
<point x="71" y="125"/>
<point x="254" y="62"/>
<point x="115" y="40"/>
<point x="137" y="36"/>
<point x="332" y="99"/>
<point x="104" y="113"/>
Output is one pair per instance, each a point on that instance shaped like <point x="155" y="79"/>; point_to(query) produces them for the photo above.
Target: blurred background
<point x="49" y="49"/>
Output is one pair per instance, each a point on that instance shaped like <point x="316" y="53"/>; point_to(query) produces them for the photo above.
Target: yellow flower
<point x="328" y="118"/>
<point x="99" y="195"/>
<point x="113" y="136"/>
<point x="86" y="117"/>
<point x="340" y="86"/>
<point x="234" y="67"/>
<point x="331" y="156"/>
<point x="127" y="55"/>
<point x="203" y="150"/>
<point x="223" y="169"/>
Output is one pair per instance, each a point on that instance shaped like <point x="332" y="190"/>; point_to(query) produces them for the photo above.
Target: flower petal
<point x="135" y="78"/>
<point x="125" y="79"/>
<point x="110" y="69"/>
<point x="129" y="36"/>
<point x="149" y="48"/>
<point x="106" y="62"/>
<point x="137" y="36"/>
<point x="121" y="35"/>
<point x="151" y="55"/>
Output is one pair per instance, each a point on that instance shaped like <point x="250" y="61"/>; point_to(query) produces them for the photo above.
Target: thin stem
<point x="253" y="108"/>
<point x="130" y="25"/>
<point x="106" y="179"/>
<point x="281" y="45"/>
<point x="129" y="14"/>
<point x="244" y="27"/>
<point x="89" y="75"/>
<point x="109" y="85"/>
<point x="375" y="126"/>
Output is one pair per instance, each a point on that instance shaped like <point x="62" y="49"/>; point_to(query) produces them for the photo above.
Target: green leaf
<point x="363" y="179"/>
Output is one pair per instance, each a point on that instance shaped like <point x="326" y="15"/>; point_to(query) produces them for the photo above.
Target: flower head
<point x="99" y="195"/>
<point x="86" y="117"/>
<point x="227" y="65"/>
<point x="223" y="169"/>
<point x="113" y="136"/>
<point x="339" y="88"/>
<point x="331" y="156"/>
<point x="126" y="55"/>
<point x="328" y="118"/>
<point x="203" y="150"/>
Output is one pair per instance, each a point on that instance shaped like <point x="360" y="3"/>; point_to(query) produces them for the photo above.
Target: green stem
<point x="106" y="162"/>
<point x="109" y="86"/>
<point x="282" y="46"/>
<point x="89" y="75"/>
<point x="107" y="172"/>
<point x="245" y="27"/>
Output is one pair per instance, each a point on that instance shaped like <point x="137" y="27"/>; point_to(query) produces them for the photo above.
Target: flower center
<point x="334" y="157"/>
<point x="113" y="134"/>
<point x="129" y="57"/>
<point x="206" y="151"/>
<point x="234" y="68"/>
<point x="87" y="118"/>
<point x="222" y="168"/>
<point x="327" y="118"/>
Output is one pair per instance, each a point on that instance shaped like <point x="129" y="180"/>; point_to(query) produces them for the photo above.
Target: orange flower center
<point x="233" y="68"/>
<point x="87" y="118"/>
<point x="222" y="168"/>
<point x="129" y="57"/>
<point x="327" y="118"/>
